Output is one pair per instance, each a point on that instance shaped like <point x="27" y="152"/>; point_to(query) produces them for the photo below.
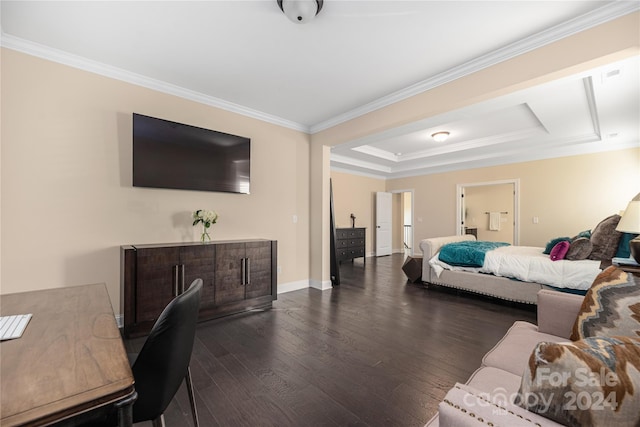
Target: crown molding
<point x="477" y="143"/>
<point x="589" y="20"/>
<point x="45" y="52"/>
<point x="589" y="145"/>
<point x="337" y="159"/>
<point x="599" y="16"/>
<point x="572" y="146"/>
<point x="335" y="168"/>
<point x="377" y="152"/>
<point x="588" y="148"/>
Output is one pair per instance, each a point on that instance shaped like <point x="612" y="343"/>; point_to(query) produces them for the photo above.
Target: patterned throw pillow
<point x="610" y="307"/>
<point x="592" y="382"/>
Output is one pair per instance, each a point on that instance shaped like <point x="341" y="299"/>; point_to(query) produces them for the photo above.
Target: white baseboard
<point x="292" y="286"/>
<point x="120" y="320"/>
<point x="282" y="288"/>
<point x="322" y="285"/>
<point x="393" y="251"/>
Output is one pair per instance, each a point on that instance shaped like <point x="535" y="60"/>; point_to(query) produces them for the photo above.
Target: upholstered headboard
<point x="430" y="247"/>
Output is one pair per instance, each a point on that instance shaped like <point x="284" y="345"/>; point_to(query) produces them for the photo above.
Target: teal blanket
<point x="468" y="253"/>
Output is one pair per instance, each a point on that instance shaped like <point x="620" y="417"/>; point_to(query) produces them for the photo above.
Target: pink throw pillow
<point x="559" y="250"/>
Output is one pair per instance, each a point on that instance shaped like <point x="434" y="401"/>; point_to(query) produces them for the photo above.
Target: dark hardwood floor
<point x="374" y="351"/>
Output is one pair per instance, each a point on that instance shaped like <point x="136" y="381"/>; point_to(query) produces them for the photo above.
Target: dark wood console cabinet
<point x="473" y="231"/>
<point x="237" y="275"/>
<point x="350" y="243"/>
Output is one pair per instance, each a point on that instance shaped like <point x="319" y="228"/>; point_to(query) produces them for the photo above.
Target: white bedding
<point x="529" y="264"/>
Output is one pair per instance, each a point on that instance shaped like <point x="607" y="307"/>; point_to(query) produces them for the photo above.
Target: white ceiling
<point x="356" y="56"/>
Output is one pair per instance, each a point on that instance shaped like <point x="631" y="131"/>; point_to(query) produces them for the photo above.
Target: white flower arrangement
<point x="206" y="218"/>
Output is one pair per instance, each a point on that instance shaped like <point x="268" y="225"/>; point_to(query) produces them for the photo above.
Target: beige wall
<point x="67" y="199"/>
<point x="568" y="194"/>
<point x="356" y="194"/>
<point x="320" y="217"/>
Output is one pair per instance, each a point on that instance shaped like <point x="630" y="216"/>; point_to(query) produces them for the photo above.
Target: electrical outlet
<point x="535" y="220"/>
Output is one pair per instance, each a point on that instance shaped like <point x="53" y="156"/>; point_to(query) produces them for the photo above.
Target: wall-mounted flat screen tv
<point x="174" y="155"/>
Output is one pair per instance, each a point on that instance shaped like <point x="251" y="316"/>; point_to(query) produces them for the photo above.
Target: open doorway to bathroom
<point x="489" y="210"/>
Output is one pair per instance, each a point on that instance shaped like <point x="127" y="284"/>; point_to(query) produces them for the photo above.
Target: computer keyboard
<point x="12" y="327"/>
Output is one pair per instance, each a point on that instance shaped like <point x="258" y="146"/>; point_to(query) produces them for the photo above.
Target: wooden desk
<point x="69" y="361"/>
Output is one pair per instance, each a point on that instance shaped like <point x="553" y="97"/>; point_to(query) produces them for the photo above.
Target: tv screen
<point x="174" y="155"/>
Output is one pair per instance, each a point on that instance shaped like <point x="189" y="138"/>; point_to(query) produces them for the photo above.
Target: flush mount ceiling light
<point x="440" y="136"/>
<point x="300" y="11"/>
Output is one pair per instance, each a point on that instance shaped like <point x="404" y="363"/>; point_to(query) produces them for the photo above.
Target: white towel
<point x="494" y="221"/>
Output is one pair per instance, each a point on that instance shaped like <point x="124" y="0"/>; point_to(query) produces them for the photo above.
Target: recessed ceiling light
<point x="440" y="136"/>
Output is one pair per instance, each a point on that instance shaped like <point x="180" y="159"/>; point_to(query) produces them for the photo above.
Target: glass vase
<point x="205" y="235"/>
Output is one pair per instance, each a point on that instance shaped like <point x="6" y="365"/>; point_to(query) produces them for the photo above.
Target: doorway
<point x="403" y="227"/>
<point x="489" y="210"/>
<point x="396" y="209"/>
<point x="406" y="215"/>
<point x="384" y="230"/>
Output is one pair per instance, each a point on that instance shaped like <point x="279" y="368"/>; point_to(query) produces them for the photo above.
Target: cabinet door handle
<point x="176" y="280"/>
<point x="243" y="265"/>
<point x="248" y="279"/>
<point x="182" y="276"/>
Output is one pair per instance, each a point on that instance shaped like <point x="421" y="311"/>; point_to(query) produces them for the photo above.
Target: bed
<point x="473" y="281"/>
<point x="517" y="273"/>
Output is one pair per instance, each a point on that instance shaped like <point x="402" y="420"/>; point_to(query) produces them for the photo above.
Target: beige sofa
<point x="485" y="284"/>
<point x="486" y="396"/>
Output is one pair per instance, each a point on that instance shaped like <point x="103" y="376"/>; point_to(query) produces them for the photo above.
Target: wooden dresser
<point x="350" y="243"/>
<point x="238" y="276"/>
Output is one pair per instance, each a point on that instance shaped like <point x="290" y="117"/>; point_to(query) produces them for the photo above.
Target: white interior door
<point x="383" y="223"/>
<point x="462" y="213"/>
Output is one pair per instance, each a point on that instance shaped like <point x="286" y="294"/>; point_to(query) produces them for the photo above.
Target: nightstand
<point x="633" y="269"/>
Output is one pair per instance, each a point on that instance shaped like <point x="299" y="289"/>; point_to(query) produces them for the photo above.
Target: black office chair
<point x="163" y="362"/>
